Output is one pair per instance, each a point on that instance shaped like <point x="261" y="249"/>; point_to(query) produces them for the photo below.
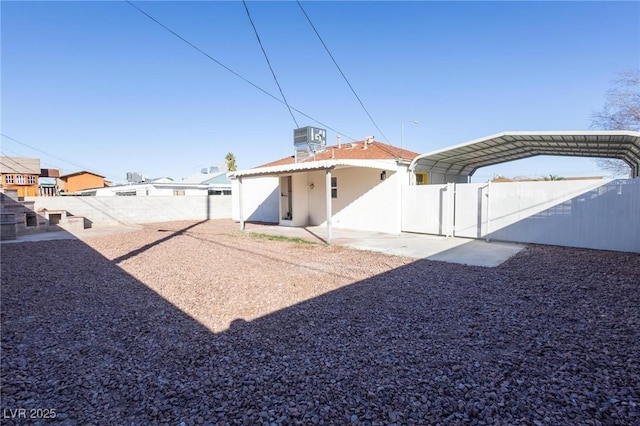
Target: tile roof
<point x="353" y="151"/>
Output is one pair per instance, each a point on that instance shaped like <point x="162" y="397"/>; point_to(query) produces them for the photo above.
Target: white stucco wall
<point x="261" y="199"/>
<point x="365" y="202"/>
<point x="301" y="190"/>
<point x="317" y="210"/>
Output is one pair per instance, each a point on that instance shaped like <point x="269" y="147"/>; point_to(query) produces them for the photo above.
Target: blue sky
<point x="99" y="86"/>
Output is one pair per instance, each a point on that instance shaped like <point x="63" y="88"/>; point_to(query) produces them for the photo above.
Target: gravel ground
<point x="185" y="323"/>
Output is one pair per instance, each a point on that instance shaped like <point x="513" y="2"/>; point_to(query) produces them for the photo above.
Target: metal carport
<point x="466" y="158"/>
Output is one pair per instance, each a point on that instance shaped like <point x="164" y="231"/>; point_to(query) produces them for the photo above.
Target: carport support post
<point x="328" y="197"/>
<point x="240" y="203"/>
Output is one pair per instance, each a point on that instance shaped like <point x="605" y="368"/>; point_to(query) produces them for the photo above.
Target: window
<point x="421" y="179"/>
<point x="32" y="180"/>
<point x="20" y="179"/>
<point x="178" y="192"/>
<point x="334" y="187"/>
<point x="8" y="179"/>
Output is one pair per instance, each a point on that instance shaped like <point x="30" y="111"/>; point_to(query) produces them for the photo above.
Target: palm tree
<point x="231" y="162"/>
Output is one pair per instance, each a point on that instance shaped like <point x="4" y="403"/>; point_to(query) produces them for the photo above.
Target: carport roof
<point x="466" y="158"/>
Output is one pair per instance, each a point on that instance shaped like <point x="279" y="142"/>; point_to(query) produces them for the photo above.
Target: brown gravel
<point x="184" y="323"/>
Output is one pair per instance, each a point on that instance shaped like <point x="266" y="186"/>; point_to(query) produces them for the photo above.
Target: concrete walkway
<point x="419" y="246"/>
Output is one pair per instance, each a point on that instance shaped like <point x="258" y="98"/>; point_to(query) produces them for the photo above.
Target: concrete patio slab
<point x="418" y="246"/>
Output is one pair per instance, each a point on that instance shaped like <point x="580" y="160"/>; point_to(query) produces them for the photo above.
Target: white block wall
<point x="106" y="211"/>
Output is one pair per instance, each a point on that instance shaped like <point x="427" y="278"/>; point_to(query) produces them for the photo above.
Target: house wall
<point x="261" y="198"/>
<point x="106" y="211"/>
<point x="300" y="184"/>
<point x="82" y="181"/>
<point x="317" y="210"/>
<point x="364" y="201"/>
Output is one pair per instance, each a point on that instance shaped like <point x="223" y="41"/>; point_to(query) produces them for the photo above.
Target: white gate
<point x="594" y="213"/>
<point x="428" y="209"/>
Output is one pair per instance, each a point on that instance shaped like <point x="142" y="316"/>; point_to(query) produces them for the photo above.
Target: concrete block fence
<point x="110" y="211"/>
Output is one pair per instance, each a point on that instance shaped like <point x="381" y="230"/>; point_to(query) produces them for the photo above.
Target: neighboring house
<point x="20" y="174"/>
<point x="201" y="184"/>
<point x="49" y="183"/>
<point x="357" y="185"/>
<point x="82" y="180"/>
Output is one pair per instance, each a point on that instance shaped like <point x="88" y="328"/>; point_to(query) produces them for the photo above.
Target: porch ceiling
<point x="466" y="158"/>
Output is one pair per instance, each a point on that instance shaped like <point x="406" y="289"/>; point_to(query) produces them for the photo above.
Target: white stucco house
<point x="371" y="186"/>
<point x="351" y="186"/>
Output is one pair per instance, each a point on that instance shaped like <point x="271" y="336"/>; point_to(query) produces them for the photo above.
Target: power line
<point x="4" y="151"/>
<point x="264" y="52"/>
<point x="339" y="69"/>
<point x="17" y="163"/>
<point x="43" y="163"/>
<point x="232" y="71"/>
<point x="80" y="166"/>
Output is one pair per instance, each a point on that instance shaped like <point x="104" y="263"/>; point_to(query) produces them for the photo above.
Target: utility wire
<point x="80" y="166"/>
<point x="17" y="163"/>
<point x="232" y="71"/>
<point x="17" y="154"/>
<point x="264" y="52"/>
<point x="339" y="69"/>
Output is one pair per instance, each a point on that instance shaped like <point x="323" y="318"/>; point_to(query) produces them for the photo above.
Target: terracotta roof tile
<point x="353" y="151"/>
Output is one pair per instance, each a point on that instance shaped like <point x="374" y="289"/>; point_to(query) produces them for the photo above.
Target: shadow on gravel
<point x="535" y="340"/>
<point x="146" y="247"/>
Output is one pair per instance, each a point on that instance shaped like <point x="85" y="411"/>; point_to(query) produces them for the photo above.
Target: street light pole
<point x="402" y="131"/>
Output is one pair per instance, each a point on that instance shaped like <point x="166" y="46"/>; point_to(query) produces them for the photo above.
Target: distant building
<point x="199" y="184"/>
<point x="83" y="180"/>
<point x="20" y="174"/>
<point x="49" y="183"/>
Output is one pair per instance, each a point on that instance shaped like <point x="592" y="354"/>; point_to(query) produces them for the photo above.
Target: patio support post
<point x="240" y="202"/>
<point x="328" y="197"/>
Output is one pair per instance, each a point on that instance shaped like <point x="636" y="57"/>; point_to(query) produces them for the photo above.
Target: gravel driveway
<point x="197" y="323"/>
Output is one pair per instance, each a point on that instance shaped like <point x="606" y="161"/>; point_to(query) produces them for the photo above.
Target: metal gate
<point x="591" y="213"/>
<point x="428" y="209"/>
